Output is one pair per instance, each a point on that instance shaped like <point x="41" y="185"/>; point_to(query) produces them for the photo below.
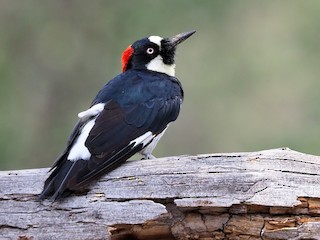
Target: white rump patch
<point x="157" y="65"/>
<point x="79" y="150"/>
<point x="156" y="40"/>
<point x="143" y="139"/>
<point x="91" y="112"/>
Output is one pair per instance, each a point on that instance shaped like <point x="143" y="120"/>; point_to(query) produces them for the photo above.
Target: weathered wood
<point x="272" y="194"/>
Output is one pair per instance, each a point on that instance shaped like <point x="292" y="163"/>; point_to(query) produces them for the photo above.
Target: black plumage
<point x="125" y="117"/>
<point x="137" y="101"/>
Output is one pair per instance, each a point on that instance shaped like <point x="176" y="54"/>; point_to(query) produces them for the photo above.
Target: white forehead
<point x="156" y="40"/>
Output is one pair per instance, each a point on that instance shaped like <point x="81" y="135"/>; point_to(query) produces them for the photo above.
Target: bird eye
<point x="150" y="50"/>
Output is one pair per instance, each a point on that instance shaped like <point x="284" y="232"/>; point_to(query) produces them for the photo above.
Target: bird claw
<point x="148" y="156"/>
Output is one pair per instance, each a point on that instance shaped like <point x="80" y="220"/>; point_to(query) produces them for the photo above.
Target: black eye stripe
<point x="152" y="49"/>
<point x="154" y="46"/>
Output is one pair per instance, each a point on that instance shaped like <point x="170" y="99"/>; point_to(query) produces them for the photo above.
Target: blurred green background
<point x="250" y="73"/>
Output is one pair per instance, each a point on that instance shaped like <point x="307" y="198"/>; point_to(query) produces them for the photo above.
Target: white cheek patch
<point x="91" y="112"/>
<point x="143" y="139"/>
<point x="157" y="65"/>
<point x="79" y="150"/>
<point x="156" y="39"/>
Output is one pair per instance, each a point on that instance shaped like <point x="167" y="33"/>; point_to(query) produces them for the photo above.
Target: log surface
<point x="271" y="194"/>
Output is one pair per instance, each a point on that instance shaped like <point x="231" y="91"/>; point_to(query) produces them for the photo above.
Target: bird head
<point x="153" y="53"/>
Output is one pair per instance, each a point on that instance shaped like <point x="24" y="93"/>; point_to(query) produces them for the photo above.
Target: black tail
<point x="56" y="184"/>
<point x="62" y="180"/>
<point x="68" y="176"/>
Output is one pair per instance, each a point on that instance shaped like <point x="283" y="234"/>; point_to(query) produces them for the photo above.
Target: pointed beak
<point x="174" y="41"/>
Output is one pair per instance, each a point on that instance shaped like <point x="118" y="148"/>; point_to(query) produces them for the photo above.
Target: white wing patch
<point x="143" y="139"/>
<point x="79" y="150"/>
<point x="158" y="65"/>
<point x="93" y="111"/>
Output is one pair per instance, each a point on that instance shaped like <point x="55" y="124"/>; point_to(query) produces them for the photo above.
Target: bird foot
<point x="148" y="156"/>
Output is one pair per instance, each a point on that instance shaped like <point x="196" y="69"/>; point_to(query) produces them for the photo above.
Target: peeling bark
<point x="272" y="194"/>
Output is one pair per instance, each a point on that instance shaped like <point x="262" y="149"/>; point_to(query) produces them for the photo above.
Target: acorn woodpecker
<point x="129" y="115"/>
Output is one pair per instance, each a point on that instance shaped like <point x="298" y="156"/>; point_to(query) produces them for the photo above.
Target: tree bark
<point x="272" y="194"/>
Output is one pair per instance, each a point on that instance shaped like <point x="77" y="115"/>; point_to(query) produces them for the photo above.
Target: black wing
<point x="152" y="100"/>
<point x="111" y="140"/>
<point x="111" y="143"/>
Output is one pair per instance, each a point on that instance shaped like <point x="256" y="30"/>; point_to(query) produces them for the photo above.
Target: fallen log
<point x="272" y="194"/>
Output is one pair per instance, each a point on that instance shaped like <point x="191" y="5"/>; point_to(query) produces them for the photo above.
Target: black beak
<point x="174" y="41"/>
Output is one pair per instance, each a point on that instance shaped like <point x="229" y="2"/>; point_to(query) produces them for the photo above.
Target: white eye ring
<point x="150" y="50"/>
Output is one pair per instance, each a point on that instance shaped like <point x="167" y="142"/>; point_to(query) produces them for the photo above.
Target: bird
<point x="128" y="115"/>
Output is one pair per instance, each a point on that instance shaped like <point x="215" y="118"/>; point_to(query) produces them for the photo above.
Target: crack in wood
<point x="295" y="172"/>
<point x="193" y="224"/>
<point x="2" y="226"/>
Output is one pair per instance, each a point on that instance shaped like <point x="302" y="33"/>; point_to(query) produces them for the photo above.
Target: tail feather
<point x="61" y="181"/>
<point x="69" y="176"/>
<point x="55" y="180"/>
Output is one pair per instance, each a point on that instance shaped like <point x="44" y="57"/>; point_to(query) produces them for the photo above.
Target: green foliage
<point x="250" y="74"/>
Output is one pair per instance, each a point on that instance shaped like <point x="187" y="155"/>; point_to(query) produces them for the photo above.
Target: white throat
<point x="157" y="65"/>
